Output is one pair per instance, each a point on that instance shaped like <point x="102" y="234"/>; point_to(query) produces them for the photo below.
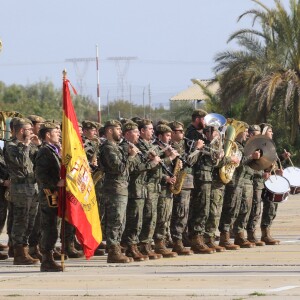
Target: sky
<point x="162" y="43"/>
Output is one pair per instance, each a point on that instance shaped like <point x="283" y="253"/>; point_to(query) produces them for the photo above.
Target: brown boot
<point x="210" y="242"/>
<point x="133" y="251"/>
<point x="180" y="249"/>
<point x="160" y="248"/>
<point x="199" y="247"/>
<point x="242" y="241"/>
<point x="48" y="263"/>
<point x="253" y="239"/>
<point x="267" y="238"/>
<point x="116" y="256"/>
<point x="10" y="251"/>
<point x="21" y="256"/>
<point x="71" y="251"/>
<point x="225" y="241"/>
<point x="34" y="252"/>
<point x="145" y="248"/>
<point x="3" y="256"/>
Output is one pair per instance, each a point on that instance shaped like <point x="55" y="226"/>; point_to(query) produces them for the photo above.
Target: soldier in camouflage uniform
<point x="233" y="199"/>
<point x="47" y="171"/>
<point x="136" y="192"/>
<point x="269" y="207"/>
<point x="258" y="185"/>
<point x="165" y="198"/>
<point x="35" y="144"/>
<point x="181" y="201"/>
<point x="116" y="164"/>
<point x="200" y="196"/>
<point x="23" y="190"/>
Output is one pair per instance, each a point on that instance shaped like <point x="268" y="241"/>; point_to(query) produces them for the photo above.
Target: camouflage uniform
<point x="47" y="171"/>
<point x="116" y="164"/>
<point x="3" y="202"/>
<point x="23" y="190"/>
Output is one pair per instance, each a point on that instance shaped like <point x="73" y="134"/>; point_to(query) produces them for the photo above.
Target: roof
<point x="195" y="91"/>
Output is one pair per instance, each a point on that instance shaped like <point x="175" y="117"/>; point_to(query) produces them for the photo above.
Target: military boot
<point x="225" y="241"/>
<point x="34" y="252"/>
<point x="116" y="256"/>
<point x="199" y="247"/>
<point x="21" y="256"/>
<point x="3" y="256"/>
<point x="253" y="239"/>
<point x="180" y="249"/>
<point x="10" y="251"/>
<point x="242" y="241"/>
<point x="71" y="251"/>
<point x="160" y="248"/>
<point x="267" y="238"/>
<point x="133" y="251"/>
<point x="48" y="264"/>
<point x="210" y="242"/>
<point x="145" y="248"/>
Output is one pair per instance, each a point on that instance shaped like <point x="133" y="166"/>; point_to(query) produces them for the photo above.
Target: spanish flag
<point x="81" y="209"/>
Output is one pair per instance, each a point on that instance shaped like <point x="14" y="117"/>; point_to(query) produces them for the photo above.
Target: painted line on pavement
<point x="283" y="288"/>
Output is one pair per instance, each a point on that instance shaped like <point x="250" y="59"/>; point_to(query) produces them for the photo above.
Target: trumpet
<point x="205" y="149"/>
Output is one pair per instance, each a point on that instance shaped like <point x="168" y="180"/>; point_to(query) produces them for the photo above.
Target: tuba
<point x="230" y="148"/>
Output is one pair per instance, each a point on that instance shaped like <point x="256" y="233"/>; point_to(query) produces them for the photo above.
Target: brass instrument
<point x="52" y="197"/>
<point x="5" y="118"/>
<point x="231" y="149"/>
<point x="180" y="174"/>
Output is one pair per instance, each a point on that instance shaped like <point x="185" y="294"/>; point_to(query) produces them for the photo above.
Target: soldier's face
<point x="90" y="133"/>
<point x="54" y="136"/>
<point x="133" y="136"/>
<point x="36" y="128"/>
<point x="147" y="132"/>
<point x="269" y="133"/>
<point x="27" y="131"/>
<point x="117" y="133"/>
<point x="177" y="134"/>
<point x="166" y="137"/>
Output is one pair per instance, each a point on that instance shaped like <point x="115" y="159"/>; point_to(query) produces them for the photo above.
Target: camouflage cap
<point x="112" y="123"/>
<point x="56" y="122"/>
<point x="21" y="122"/>
<point x="162" y="122"/>
<point x="175" y="124"/>
<point x="88" y="124"/>
<point x="160" y="129"/>
<point x="48" y="125"/>
<point x="36" y="119"/>
<point x="136" y="120"/>
<point x="129" y="126"/>
<point x="199" y="113"/>
<point x="254" y="128"/>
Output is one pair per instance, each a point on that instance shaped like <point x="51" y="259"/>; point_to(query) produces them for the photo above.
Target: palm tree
<point x="267" y="68"/>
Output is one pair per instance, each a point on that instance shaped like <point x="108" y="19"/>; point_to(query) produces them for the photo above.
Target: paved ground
<point x="270" y="272"/>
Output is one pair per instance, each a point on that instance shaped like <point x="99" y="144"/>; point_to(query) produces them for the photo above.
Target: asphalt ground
<point x="269" y="272"/>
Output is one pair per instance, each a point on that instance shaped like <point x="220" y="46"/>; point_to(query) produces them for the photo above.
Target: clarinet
<point x="184" y="161"/>
<point x="162" y="164"/>
<point x="140" y="154"/>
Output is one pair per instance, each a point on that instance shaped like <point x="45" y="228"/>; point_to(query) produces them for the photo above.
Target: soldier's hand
<point x="235" y="159"/>
<point x="61" y="183"/>
<point x="221" y="154"/>
<point x="156" y="159"/>
<point x="199" y="144"/>
<point x="133" y="151"/>
<point x="35" y="140"/>
<point x="266" y="175"/>
<point x="255" y="155"/>
<point x="173" y="154"/>
<point x="279" y="172"/>
<point x="180" y="164"/>
<point x="286" y="154"/>
<point x="6" y="183"/>
<point x="171" y="180"/>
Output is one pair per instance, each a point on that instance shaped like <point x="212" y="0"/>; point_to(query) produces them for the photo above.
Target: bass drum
<point x="292" y="174"/>
<point x="277" y="188"/>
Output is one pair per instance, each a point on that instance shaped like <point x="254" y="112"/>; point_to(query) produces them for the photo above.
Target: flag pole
<point x="98" y="85"/>
<point x="63" y="190"/>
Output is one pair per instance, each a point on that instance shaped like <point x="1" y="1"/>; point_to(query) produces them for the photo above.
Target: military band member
<point x="136" y="192"/>
<point x="181" y="201"/>
<point x="258" y="185"/>
<point x="22" y="190"/>
<point x="47" y="171"/>
<point x="116" y="164"/>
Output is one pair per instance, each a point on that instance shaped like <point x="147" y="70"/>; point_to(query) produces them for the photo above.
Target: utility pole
<point x="144" y="103"/>
<point x="80" y="73"/>
<point x="150" y="103"/>
<point x="122" y="65"/>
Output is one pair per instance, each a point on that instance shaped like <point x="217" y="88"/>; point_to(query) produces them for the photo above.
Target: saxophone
<point x="230" y="148"/>
<point x="180" y="174"/>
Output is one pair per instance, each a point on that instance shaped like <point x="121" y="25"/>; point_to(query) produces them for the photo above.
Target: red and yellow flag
<point x="81" y="209"/>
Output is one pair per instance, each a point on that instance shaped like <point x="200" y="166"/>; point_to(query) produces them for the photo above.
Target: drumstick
<point x="289" y="159"/>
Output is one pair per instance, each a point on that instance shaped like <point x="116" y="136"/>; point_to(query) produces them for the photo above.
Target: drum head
<point x="292" y="174"/>
<point x="277" y="184"/>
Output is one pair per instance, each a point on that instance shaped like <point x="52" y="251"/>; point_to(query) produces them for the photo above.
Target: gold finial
<point x="64" y="74"/>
